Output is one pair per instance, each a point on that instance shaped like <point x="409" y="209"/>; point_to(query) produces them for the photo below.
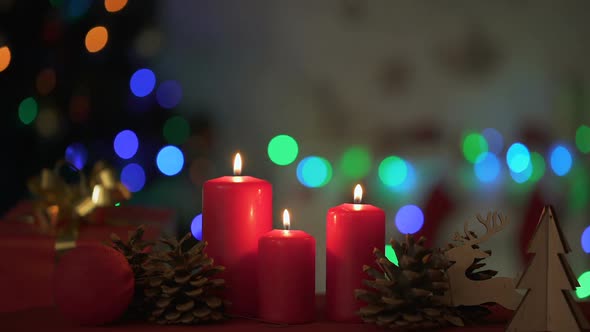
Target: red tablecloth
<point x="48" y="319"/>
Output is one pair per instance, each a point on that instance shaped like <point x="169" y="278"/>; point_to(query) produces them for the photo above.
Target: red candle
<point x="352" y="232"/>
<point x="237" y="210"/>
<point x="286" y="275"/>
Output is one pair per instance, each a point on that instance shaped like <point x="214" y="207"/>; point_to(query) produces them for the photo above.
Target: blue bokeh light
<point x="76" y="8"/>
<point x="409" y="219"/>
<point x="410" y="181"/>
<point x="197" y="227"/>
<point x="523" y="176"/>
<point x="142" y="82"/>
<point x="314" y="172"/>
<point x="518" y="157"/>
<point x="494" y="139"/>
<point x="133" y="177"/>
<point x="561" y="160"/>
<point x="126" y="144"/>
<point x="77" y="155"/>
<point x="169" y="94"/>
<point x="170" y="160"/>
<point x="487" y="167"/>
<point x="586" y="240"/>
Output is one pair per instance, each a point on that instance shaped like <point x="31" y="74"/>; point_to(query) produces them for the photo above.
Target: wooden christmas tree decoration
<point x="548" y="304"/>
<point x="465" y="291"/>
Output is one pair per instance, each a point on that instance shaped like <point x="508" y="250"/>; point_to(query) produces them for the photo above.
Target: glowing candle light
<point x="237" y="210"/>
<point x="352" y="232"/>
<point x="286" y="275"/>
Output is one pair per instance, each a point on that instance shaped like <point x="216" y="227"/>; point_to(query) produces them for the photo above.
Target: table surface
<point x="42" y="319"/>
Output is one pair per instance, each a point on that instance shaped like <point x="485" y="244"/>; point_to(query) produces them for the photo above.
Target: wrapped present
<point x="28" y="255"/>
<point x="64" y="214"/>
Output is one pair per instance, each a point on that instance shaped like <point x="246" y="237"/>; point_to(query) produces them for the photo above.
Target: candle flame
<point x="238" y="164"/>
<point x="286" y="220"/>
<point x="358" y="194"/>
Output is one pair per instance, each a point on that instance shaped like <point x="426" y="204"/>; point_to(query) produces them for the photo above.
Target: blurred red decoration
<point x="93" y="284"/>
<point x="46" y="81"/>
<point x="52" y="31"/>
<point x="438" y="207"/>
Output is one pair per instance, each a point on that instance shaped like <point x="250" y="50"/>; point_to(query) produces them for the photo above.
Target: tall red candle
<point x="352" y="232"/>
<point x="286" y="275"/>
<point x="237" y="210"/>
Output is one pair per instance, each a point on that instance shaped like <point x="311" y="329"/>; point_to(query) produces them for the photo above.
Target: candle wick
<point x="287" y="227"/>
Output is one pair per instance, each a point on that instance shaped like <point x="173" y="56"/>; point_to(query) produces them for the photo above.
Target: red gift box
<point x="27" y="257"/>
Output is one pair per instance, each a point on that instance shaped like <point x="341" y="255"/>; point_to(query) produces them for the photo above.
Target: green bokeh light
<point x="393" y="171"/>
<point x="538" y="163"/>
<point x="584" y="290"/>
<point x="27" y="110"/>
<point x="390" y="254"/>
<point x="176" y="130"/>
<point x="583" y="138"/>
<point x="474" y="144"/>
<point x="283" y="150"/>
<point x="579" y="188"/>
<point x="356" y="162"/>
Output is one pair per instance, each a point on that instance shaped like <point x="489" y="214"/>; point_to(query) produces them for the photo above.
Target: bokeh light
<point x="393" y="171"/>
<point x="113" y="6"/>
<point x="76" y="8"/>
<point x="523" y="176"/>
<point x="142" y="82"/>
<point x="45" y="82"/>
<point x="518" y="157"/>
<point x="538" y="163"/>
<point x="27" y="110"/>
<point x="586" y="240"/>
<point x="583" y="138"/>
<point x="170" y="160"/>
<point x="579" y="188"/>
<point x="47" y="123"/>
<point x="356" y="162"/>
<point x="561" y="160"/>
<point x="197" y="227"/>
<point x="408" y="184"/>
<point x="409" y="219"/>
<point x="474" y="144"/>
<point x="494" y="139"/>
<point x="282" y="150"/>
<point x="126" y="144"/>
<point x="133" y="177"/>
<point x="77" y="155"/>
<point x="5" y="57"/>
<point x="487" y="167"/>
<point x="314" y="172"/>
<point x="96" y="39"/>
<point x="390" y="254"/>
<point x="583" y="290"/>
<point x="149" y="42"/>
<point x="176" y="130"/>
<point x="169" y="94"/>
<point x="79" y="108"/>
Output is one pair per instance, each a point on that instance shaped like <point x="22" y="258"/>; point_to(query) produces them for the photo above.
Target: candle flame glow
<point x="238" y="164"/>
<point x="286" y="220"/>
<point x="358" y="194"/>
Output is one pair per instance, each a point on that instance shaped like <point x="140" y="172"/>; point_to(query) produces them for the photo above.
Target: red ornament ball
<point x="93" y="284"/>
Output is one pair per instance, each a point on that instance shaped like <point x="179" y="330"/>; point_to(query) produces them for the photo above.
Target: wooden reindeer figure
<point x="465" y="291"/>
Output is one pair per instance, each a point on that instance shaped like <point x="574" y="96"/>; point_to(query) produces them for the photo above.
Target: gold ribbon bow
<point x="62" y="205"/>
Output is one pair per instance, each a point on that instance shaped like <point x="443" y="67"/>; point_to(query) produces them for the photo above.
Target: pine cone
<point x="136" y="252"/>
<point x="410" y="296"/>
<point x="179" y="288"/>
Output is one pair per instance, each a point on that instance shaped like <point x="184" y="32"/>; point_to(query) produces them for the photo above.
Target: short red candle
<point x="286" y="276"/>
<point x="237" y="210"/>
<point x="352" y="232"/>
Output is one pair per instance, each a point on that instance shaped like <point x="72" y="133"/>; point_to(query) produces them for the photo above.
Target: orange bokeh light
<point x="4" y="57"/>
<point x="114" y="5"/>
<point x="96" y="39"/>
